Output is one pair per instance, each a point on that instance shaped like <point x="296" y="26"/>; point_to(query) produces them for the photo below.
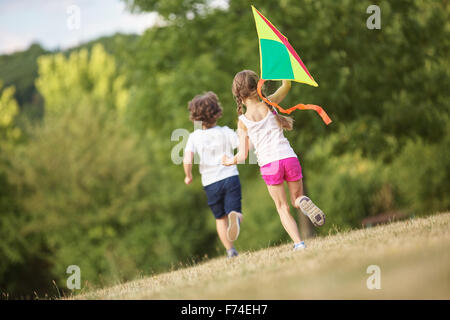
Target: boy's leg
<point x="232" y="205"/>
<point x="234" y="221"/>
<point x="278" y="195"/>
<point x="215" y="194"/>
<point x="222" y="227"/>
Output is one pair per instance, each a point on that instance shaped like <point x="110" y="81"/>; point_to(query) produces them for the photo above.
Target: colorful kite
<point x="279" y="61"/>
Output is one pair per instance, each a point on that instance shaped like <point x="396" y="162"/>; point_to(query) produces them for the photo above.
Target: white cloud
<point x="10" y="42"/>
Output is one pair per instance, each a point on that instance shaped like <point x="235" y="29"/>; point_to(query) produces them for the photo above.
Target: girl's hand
<point x="286" y="83"/>
<point x="188" y="179"/>
<point x="228" y="161"/>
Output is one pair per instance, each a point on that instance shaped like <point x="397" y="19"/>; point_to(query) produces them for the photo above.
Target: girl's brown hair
<point x="205" y="108"/>
<point x="244" y="86"/>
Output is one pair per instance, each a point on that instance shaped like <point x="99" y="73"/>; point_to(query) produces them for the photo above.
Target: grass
<point x="413" y="256"/>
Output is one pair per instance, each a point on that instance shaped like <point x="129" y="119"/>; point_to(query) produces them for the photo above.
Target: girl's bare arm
<point x="281" y="93"/>
<point x="242" y="154"/>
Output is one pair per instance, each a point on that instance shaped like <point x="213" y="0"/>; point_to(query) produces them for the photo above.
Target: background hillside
<point x="86" y="174"/>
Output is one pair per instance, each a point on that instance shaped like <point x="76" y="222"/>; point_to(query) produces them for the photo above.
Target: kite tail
<point x="299" y="106"/>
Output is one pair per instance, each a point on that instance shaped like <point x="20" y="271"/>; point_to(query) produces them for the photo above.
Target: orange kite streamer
<point x="299" y="106"/>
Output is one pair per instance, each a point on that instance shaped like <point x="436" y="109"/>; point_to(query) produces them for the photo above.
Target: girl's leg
<point x="313" y="212"/>
<point x="222" y="226"/>
<point x="278" y="195"/>
<point x="295" y="190"/>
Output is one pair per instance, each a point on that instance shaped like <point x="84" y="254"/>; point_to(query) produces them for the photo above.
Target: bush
<point x="344" y="186"/>
<point x="421" y="174"/>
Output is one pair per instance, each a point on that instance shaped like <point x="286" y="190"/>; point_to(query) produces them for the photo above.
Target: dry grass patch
<point x="413" y="255"/>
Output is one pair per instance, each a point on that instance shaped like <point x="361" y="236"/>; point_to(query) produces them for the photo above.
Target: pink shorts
<point x="276" y="172"/>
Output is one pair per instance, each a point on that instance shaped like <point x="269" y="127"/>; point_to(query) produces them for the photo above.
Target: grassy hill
<point x="413" y="256"/>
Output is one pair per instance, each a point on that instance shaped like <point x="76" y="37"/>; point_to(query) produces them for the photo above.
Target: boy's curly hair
<point x="205" y="108"/>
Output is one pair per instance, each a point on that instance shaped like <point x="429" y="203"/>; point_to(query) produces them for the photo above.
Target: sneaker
<point x="309" y="209"/>
<point x="233" y="226"/>
<point x="299" y="246"/>
<point x="231" y="253"/>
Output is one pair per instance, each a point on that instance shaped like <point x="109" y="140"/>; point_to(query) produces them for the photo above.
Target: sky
<point x="61" y="24"/>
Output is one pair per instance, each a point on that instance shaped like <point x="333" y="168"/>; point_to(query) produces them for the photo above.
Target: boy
<point x="221" y="183"/>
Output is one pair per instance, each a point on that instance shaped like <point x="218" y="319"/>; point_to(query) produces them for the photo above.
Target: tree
<point x="82" y="78"/>
<point x="20" y="69"/>
<point x="169" y="8"/>
<point x="8" y="112"/>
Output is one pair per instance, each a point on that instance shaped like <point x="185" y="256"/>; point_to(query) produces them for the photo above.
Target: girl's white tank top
<point x="268" y="139"/>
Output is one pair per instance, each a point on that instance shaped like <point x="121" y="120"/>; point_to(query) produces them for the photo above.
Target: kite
<point x="279" y="61"/>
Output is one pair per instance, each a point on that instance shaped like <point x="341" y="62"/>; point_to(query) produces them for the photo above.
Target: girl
<point x="263" y="127"/>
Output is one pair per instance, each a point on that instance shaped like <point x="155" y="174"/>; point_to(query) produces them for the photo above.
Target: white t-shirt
<point x="211" y="144"/>
<point x="268" y="139"/>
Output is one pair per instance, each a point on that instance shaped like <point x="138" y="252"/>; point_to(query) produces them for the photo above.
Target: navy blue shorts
<point x="224" y="196"/>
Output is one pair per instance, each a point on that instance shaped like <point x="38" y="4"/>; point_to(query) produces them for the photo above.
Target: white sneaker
<point x="231" y="253"/>
<point x="234" y="222"/>
<point x="300" y="246"/>
<point x="312" y="211"/>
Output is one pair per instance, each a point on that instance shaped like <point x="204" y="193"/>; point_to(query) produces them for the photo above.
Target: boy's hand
<point x="188" y="180"/>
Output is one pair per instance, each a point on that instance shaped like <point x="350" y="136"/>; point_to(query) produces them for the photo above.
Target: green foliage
<point x="16" y="249"/>
<point x="8" y="112"/>
<point x="167" y="8"/>
<point x="345" y="185"/>
<point x="421" y="173"/>
<point x="20" y="69"/>
<point x="81" y="78"/>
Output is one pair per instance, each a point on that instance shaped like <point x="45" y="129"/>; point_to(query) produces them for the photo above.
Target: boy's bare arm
<point x="281" y="93"/>
<point x="187" y="165"/>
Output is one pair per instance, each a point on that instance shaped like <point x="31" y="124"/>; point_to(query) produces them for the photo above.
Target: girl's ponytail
<point x="239" y="106"/>
<point x="285" y="123"/>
